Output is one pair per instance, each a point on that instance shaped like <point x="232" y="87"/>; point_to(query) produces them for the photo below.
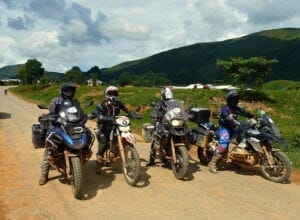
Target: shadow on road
<point x="4" y="115"/>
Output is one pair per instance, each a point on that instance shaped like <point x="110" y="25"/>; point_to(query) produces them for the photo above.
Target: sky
<point x="87" y="33"/>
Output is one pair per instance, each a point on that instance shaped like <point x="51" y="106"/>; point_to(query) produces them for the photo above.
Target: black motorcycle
<point x="69" y="142"/>
<point x="255" y="142"/>
<point x="170" y="138"/>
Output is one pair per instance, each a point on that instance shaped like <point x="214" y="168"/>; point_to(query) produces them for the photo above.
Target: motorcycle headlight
<point x="176" y="123"/>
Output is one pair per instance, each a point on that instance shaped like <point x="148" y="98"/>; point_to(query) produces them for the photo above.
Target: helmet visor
<point x="112" y="93"/>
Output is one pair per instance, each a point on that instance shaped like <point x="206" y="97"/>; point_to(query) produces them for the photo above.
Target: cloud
<point x="20" y="23"/>
<point x="268" y="11"/>
<point x="117" y="27"/>
<point x="66" y="33"/>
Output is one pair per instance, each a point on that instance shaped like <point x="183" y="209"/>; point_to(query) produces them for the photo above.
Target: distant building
<point x="90" y="82"/>
<point x="9" y="81"/>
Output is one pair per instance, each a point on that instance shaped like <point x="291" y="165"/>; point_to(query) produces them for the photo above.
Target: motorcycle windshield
<point x="175" y="110"/>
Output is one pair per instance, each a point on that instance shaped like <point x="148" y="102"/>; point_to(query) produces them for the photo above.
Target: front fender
<point x="128" y="137"/>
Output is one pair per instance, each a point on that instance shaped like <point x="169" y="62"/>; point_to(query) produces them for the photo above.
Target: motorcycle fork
<point x="269" y="156"/>
<point x="122" y="151"/>
<point x="173" y="150"/>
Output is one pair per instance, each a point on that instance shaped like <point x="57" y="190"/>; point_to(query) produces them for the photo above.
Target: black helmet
<point x="166" y="94"/>
<point x="68" y="90"/>
<point x="111" y="92"/>
<point x="232" y="98"/>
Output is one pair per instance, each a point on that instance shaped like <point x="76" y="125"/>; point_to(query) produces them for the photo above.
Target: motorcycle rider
<point x="228" y="123"/>
<point x="67" y="93"/>
<point x="157" y="115"/>
<point x="104" y="113"/>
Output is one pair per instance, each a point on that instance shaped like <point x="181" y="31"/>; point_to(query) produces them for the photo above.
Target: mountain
<point x="197" y="62"/>
<point x="12" y="71"/>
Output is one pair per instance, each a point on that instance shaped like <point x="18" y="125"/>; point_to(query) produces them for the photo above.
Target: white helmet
<point x="111" y="92"/>
<point x="166" y="94"/>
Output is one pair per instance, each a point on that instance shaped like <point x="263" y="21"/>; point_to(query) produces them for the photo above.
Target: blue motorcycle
<point x="68" y="142"/>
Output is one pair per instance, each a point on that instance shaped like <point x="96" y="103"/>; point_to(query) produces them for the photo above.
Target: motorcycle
<point x="122" y="147"/>
<point x="254" y="143"/>
<point x="68" y="143"/>
<point x="170" y="137"/>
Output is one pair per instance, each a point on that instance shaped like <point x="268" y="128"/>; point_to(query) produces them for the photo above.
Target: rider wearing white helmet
<point x="157" y="115"/>
<point x="105" y="111"/>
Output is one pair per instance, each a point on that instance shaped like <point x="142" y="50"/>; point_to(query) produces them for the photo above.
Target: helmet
<point x="111" y="92"/>
<point x="68" y="90"/>
<point x="232" y="98"/>
<point x="166" y="94"/>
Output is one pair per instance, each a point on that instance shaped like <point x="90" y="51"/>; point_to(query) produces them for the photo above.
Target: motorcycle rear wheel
<point x="76" y="178"/>
<point x="204" y="158"/>
<point x="282" y="169"/>
<point x="181" y="165"/>
<point x="132" y="171"/>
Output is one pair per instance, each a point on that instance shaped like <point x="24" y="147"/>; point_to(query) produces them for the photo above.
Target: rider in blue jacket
<point x="228" y="123"/>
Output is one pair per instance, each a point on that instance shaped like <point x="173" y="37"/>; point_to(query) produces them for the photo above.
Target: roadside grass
<point x="280" y="99"/>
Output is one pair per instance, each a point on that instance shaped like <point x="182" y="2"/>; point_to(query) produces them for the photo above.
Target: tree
<point x="74" y="75"/>
<point x="240" y="69"/>
<point x="31" y="72"/>
<point x="152" y="79"/>
<point x="126" y="79"/>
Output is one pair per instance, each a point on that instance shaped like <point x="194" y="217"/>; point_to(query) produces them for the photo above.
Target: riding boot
<point x="99" y="164"/>
<point x="152" y="157"/>
<point x="213" y="163"/>
<point x="43" y="179"/>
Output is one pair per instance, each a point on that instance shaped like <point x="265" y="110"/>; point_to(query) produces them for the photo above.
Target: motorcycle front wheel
<point x="281" y="170"/>
<point x="180" y="166"/>
<point x="132" y="165"/>
<point x="76" y="177"/>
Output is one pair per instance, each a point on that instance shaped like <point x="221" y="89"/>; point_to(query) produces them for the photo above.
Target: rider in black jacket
<point x="67" y="93"/>
<point x="105" y="111"/>
<point x="157" y="115"/>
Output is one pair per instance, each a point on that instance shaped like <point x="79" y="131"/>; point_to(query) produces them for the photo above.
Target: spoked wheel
<point x="76" y="178"/>
<point x="204" y="156"/>
<point x="180" y="166"/>
<point x="132" y="165"/>
<point x="281" y="170"/>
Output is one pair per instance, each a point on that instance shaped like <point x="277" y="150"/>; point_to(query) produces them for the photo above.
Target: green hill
<point x="197" y="62"/>
<point x="10" y="71"/>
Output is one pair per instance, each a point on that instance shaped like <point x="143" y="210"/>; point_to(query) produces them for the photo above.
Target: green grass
<point x="278" y="98"/>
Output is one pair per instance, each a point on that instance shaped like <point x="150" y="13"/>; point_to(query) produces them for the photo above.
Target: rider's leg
<point x="45" y="167"/>
<point x="224" y="138"/>
<point x="152" y="156"/>
<point x="103" y="142"/>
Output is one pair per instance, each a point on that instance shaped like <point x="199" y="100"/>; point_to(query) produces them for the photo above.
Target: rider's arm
<point x="97" y="111"/>
<point x="227" y="117"/>
<point x="54" y="105"/>
<point x="123" y="107"/>
<point x="245" y="113"/>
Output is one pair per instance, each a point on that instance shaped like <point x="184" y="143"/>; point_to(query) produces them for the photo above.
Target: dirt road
<point x="230" y="194"/>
